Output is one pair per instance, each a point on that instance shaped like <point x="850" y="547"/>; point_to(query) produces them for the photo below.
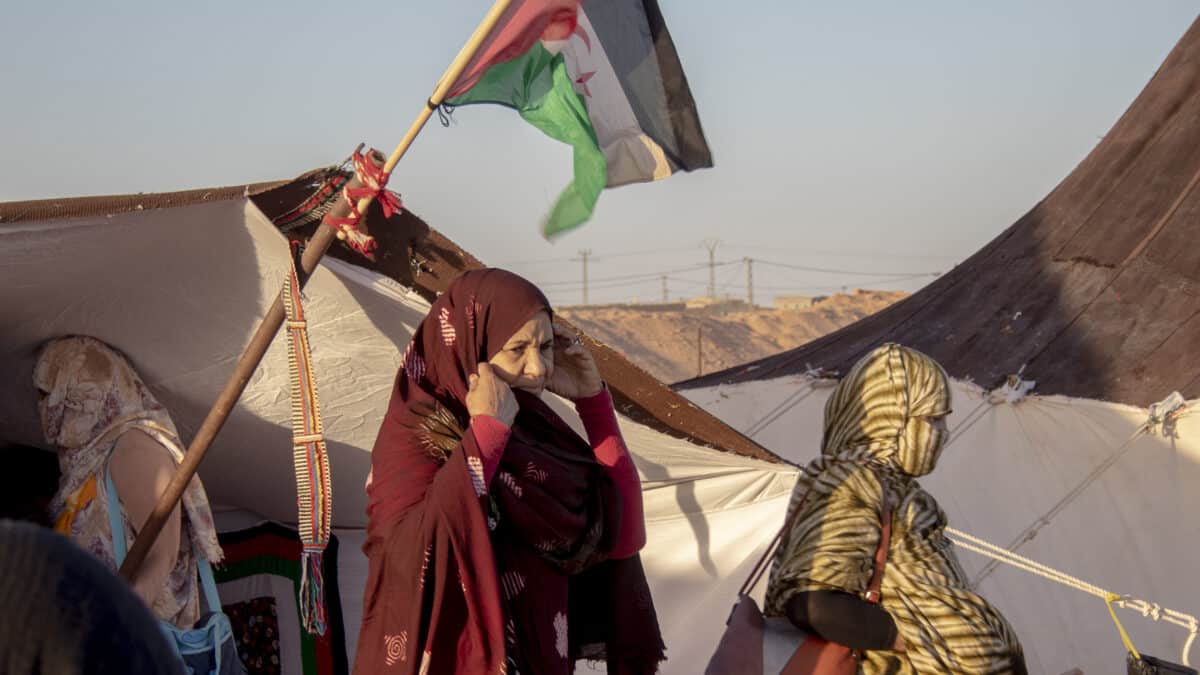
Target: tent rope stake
<point x="257" y="348"/>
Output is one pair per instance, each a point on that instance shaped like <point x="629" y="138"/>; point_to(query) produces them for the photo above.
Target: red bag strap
<point x="881" y="551"/>
<point x="885" y="539"/>
<point x="760" y="567"/>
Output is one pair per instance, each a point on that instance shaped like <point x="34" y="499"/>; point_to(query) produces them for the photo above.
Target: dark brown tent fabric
<point x="1095" y="292"/>
<point x="421" y="258"/>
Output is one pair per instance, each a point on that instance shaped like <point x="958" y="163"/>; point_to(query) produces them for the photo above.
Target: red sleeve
<point x="600" y="421"/>
<point x="491" y="436"/>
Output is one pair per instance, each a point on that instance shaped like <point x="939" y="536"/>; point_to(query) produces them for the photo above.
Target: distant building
<point x="716" y="305"/>
<point x="641" y="307"/>
<point x="795" y="302"/>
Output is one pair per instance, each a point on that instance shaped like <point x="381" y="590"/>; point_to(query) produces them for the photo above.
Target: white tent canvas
<point x="181" y="289"/>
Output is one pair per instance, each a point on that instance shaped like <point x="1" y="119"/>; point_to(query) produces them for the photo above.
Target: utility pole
<point x="699" y="350"/>
<point x="583" y="255"/>
<point x="711" y="245"/>
<point x="666" y="297"/>
<point x="750" y="281"/>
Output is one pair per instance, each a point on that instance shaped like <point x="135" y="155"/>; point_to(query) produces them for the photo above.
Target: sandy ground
<point x="665" y="342"/>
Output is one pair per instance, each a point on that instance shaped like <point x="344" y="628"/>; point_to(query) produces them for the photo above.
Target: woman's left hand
<point x="575" y="374"/>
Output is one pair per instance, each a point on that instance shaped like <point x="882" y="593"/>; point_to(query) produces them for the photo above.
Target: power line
<point x="541" y="261"/>
<point x="600" y="285"/>
<point x="653" y="251"/>
<point x="771" y="290"/>
<point x="642" y="280"/>
<point x="848" y="283"/>
<point x="849" y="272"/>
<point x="740" y="247"/>
<point x="727" y="280"/>
<point x="750" y="281"/>
<point x="690" y="282"/>
<point x="600" y="256"/>
<point x="583" y="255"/>
<point x="605" y="286"/>
<point x="728" y="284"/>
<point x="846" y="253"/>
<point x="632" y="286"/>
<point x="711" y="245"/>
<point x="643" y="275"/>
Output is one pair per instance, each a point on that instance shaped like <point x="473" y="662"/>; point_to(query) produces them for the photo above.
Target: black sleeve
<point x="843" y="618"/>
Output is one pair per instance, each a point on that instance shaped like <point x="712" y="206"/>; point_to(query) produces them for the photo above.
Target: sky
<point x="880" y="141"/>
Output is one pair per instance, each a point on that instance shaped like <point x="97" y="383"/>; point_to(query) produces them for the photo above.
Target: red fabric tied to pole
<point x="373" y="184"/>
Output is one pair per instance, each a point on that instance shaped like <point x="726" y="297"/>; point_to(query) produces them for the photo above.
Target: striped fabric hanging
<point x="314" y="495"/>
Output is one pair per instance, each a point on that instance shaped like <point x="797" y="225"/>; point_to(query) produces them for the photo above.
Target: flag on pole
<point x="600" y="75"/>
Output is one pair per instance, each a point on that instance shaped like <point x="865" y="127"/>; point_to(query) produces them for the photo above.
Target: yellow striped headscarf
<point x="883" y="408"/>
<point x="887" y="411"/>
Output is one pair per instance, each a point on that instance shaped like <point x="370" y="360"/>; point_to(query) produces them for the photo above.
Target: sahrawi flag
<point x="600" y="75"/>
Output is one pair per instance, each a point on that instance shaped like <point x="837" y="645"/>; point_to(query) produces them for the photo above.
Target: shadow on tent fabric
<point x="175" y="289"/>
<point x="349" y="464"/>
<point x="689" y="504"/>
<point x="388" y="316"/>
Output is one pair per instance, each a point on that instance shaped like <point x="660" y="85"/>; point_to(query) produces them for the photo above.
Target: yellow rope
<point x="1108" y="600"/>
<point x="1148" y="610"/>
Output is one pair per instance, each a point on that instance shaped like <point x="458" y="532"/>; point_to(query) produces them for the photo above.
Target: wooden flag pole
<point x="254" y="351"/>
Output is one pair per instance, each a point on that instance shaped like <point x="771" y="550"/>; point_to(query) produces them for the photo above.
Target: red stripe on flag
<point x="524" y="23"/>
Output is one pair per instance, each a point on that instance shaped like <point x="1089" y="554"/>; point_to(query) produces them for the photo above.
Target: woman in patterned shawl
<point x="885" y="423"/>
<point x="500" y="541"/>
<point x="97" y="412"/>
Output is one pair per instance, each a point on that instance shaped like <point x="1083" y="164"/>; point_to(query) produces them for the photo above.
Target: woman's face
<point x="526" y="360"/>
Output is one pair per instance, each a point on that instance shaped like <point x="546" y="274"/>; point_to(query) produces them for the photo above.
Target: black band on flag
<point x="691" y="148"/>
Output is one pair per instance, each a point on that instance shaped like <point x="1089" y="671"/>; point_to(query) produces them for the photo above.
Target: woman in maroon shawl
<point x="499" y="540"/>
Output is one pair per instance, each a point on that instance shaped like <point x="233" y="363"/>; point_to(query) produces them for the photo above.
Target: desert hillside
<point x="663" y="340"/>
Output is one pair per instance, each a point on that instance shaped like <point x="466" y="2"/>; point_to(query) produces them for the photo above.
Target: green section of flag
<point x="538" y="87"/>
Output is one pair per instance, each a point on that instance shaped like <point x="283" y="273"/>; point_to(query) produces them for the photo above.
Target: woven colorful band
<point x="317" y="205"/>
<point x="314" y="494"/>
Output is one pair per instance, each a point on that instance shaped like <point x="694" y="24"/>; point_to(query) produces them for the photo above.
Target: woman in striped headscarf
<point x="885" y="427"/>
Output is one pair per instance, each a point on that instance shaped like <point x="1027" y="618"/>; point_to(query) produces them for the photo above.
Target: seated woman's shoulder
<point x="140" y="448"/>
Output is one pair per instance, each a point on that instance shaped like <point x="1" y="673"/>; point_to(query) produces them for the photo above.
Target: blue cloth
<point x="209" y="647"/>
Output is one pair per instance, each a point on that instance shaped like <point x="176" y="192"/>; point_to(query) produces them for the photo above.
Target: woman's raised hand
<point x="575" y="373"/>
<point x="489" y="395"/>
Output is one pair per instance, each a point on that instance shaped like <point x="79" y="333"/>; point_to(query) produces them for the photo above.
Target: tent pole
<point x="257" y="348"/>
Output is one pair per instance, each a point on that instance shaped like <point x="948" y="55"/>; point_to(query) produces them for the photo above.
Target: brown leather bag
<point x="740" y="651"/>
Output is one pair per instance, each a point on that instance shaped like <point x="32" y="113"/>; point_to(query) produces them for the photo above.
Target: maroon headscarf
<point x="468" y="578"/>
